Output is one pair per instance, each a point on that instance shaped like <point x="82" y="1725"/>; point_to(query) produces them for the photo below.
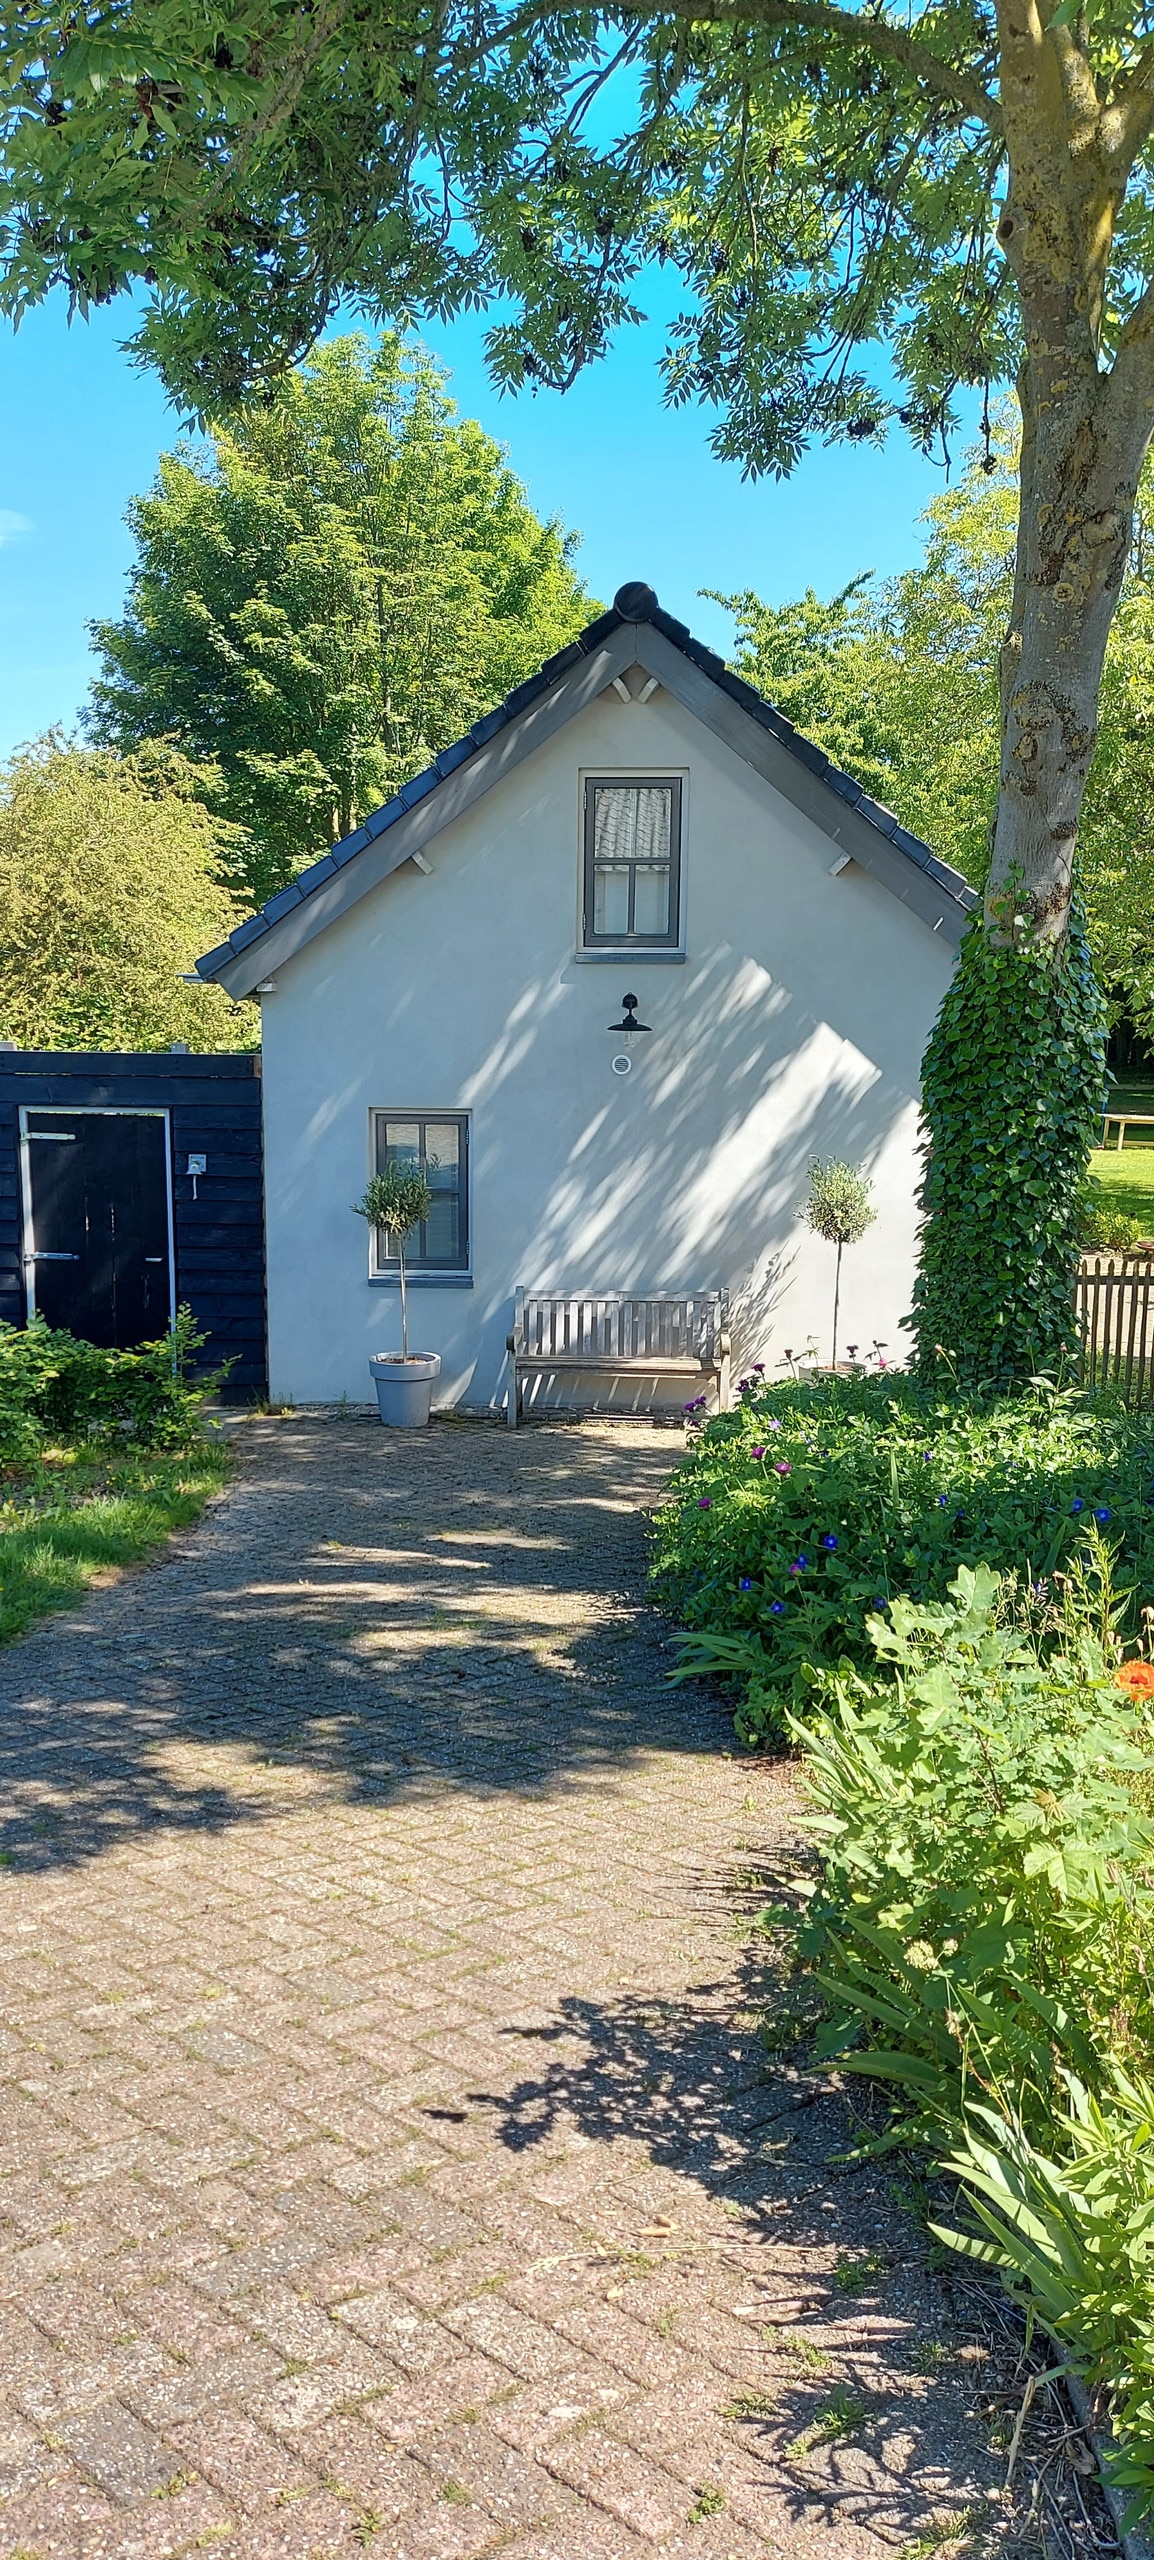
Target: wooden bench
<point x="1123" y="1120"/>
<point x="637" y="1337"/>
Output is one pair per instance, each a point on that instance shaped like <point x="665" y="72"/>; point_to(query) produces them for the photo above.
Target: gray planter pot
<point x="404" y="1387"/>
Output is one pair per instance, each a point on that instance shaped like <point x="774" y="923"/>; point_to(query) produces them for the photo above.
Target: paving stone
<point x="376" y="2057"/>
<point x="127" y="2460"/>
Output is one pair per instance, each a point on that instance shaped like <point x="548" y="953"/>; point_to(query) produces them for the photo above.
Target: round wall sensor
<point x="622" y="1066"/>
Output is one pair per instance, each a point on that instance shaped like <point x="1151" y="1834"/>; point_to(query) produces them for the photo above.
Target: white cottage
<point x="452" y="984"/>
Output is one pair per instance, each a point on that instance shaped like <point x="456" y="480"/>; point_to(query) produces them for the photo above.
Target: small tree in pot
<point x="398" y="1199"/>
<point x="838" y="1208"/>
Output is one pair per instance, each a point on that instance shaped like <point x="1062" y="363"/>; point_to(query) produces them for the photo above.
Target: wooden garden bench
<point x="1123" y="1120"/>
<point x="638" y="1337"/>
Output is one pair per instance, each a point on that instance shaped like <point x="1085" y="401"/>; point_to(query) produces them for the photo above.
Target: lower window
<point x="435" y="1144"/>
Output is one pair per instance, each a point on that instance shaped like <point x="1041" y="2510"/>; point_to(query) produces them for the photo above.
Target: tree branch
<point x="820" y="17"/>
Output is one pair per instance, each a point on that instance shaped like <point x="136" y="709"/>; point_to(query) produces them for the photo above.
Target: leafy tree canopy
<point x="110" y="885"/>
<point x="251" y="166"/>
<point x="331" y="589"/>
<point x="899" y="683"/>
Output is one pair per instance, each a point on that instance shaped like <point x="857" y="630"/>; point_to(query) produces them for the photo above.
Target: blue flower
<point x="829" y="1541"/>
<point x="943" y="1498"/>
<point x="777" y="1608"/>
<point x="1077" y="1503"/>
<point x="879" y="1600"/>
<point x="1102" y="1517"/>
<point x="746" y="1582"/>
<point x="800" y="1564"/>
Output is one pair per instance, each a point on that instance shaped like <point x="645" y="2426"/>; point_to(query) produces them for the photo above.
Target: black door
<point x="99" y="1242"/>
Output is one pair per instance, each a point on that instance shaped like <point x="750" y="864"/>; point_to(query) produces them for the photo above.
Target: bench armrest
<point x="511" y="1343"/>
<point x="724" y="1345"/>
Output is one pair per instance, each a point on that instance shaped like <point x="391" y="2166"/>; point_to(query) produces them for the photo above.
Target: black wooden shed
<point x="131" y="1185"/>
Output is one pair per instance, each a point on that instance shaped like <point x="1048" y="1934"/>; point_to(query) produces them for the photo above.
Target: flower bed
<point x="797" y="1517"/>
<point x="941" y="1606"/>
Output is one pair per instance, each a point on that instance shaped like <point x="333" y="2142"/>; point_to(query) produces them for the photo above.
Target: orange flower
<point x="1137" y="1677"/>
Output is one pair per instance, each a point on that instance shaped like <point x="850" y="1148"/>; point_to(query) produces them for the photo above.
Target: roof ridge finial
<point x="636" y="601"/>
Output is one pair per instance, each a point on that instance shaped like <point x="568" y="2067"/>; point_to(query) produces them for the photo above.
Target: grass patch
<point x="1129" y="1180"/>
<point x="70" y="1515"/>
<point x="842" y="2416"/>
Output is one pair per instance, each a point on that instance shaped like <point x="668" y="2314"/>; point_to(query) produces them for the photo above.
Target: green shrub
<point x="982" y="1932"/>
<point x="795" y="1519"/>
<point x="985" y="1911"/>
<point x="1104" y="1227"/>
<point x="55" y="1387"/>
<point x="1011" y="1126"/>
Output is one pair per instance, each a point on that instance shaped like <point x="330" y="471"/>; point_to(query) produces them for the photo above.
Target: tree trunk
<point x="1079" y="477"/>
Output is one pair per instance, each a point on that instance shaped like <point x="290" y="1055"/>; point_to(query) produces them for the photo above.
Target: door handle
<point x="52" y="1257"/>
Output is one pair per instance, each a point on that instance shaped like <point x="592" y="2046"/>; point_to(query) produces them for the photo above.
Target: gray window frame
<point x="386" y="1266"/>
<point x="671" y="939"/>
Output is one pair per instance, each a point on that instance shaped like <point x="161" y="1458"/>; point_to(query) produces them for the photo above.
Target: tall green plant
<point x="397" y="1200"/>
<point x="1011" y="1124"/>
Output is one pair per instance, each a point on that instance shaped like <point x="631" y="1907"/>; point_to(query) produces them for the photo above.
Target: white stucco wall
<point x="794" y="1027"/>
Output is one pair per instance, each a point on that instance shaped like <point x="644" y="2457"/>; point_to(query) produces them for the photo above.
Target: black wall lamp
<point x="626" y="1030"/>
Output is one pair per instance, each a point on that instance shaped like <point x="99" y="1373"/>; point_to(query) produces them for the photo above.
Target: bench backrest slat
<point x="557" y="1327"/>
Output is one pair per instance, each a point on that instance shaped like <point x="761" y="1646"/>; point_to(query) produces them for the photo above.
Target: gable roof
<point x="635" y="631"/>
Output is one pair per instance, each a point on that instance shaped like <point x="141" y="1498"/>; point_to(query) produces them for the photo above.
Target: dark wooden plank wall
<point x="214" y="1107"/>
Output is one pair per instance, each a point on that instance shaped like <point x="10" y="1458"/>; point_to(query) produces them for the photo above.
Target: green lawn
<point x="1129" y="1179"/>
<point x="69" y="1517"/>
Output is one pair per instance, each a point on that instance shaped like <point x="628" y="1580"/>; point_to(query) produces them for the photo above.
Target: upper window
<point x="632" y="862"/>
<point x="437" y="1145"/>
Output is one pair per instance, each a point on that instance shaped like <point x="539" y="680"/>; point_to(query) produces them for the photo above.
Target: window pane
<point x="442" y="1152"/>
<point x="443" y="1229"/>
<point x="651" y="898"/>
<point x="398" y="1142"/>
<point x="611" y="901"/>
<point x="632" y="822"/>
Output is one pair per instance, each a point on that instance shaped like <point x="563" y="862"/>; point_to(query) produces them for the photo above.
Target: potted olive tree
<point x="838" y="1208"/>
<point x="399" y="1199"/>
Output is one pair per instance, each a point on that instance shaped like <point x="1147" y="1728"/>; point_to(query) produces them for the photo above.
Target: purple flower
<point x="746" y="1582"/>
<point x="705" y="1502"/>
<point x="759" y="1368"/>
<point x="800" y="1565"/>
<point x="1102" y="1517"/>
<point x="782" y="1467"/>
<point x="773" y="1423"/>
<point x="757" y="1451"/>
<point x="851" y="1350"/>
<point x="927" y="1454"/>
<point x="777" y="1608"/>
<point x="1077" y="1503"/>
<point x="829" y="1542"/>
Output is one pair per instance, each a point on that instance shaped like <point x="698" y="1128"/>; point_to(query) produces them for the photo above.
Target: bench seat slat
<point x="686" y="1364"/>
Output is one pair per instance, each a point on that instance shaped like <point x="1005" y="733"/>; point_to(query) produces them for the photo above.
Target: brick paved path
<point x="390" y="2161"/>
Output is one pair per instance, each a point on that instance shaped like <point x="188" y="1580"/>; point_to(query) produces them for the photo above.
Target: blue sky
<point x="80" y="431"/>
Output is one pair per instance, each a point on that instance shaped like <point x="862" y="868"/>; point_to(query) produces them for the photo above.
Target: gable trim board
<point x="635" y="632"/>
